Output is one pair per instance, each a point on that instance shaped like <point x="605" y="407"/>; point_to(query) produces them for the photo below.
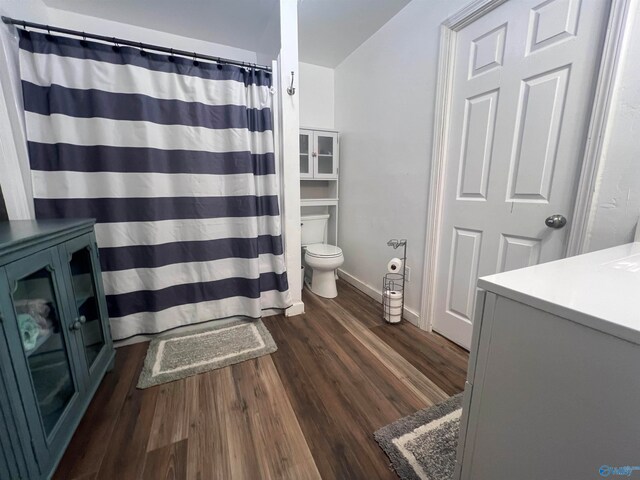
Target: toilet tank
<point x="314" y="229"/>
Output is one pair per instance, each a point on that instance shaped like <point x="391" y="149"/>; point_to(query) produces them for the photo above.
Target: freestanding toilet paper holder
<point x="393" y="287"/>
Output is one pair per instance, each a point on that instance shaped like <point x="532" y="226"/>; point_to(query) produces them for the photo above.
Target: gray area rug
<point x="172" y="357"/>
<point x="423" y="445"/>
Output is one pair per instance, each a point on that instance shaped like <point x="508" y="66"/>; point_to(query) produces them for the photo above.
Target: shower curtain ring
<point x="195" y="60"/>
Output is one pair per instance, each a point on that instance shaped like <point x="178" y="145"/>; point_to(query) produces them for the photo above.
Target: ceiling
<point x="245" y="24"/>
<point x="328" y="30"/>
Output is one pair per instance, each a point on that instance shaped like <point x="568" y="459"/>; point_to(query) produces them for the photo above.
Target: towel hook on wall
<point x="291" y="90"/>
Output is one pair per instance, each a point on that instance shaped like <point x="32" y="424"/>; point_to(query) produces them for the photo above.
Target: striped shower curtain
<point x="174" y="158"/>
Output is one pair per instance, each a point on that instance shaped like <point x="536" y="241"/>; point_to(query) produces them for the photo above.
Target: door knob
<point x="555" y="221"/>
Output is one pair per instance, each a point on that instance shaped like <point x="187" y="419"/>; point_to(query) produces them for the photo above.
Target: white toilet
<point x="321" y="259"/>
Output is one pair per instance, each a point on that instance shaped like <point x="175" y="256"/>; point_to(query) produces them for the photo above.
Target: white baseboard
<point x="296" y="309"/>
<point x="376" y="294"/>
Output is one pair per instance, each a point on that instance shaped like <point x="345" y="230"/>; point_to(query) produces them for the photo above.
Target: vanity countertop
<point x="600" y="289"/>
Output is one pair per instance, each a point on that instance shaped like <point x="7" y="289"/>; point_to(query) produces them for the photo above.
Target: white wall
<point x="316" y="96"/>
<point x="37" y="11"/>
<point x="616" y="205"/>
<point x="385" y="94"/>
<point x="15" y="177"/>
<point x="290" y="151"/>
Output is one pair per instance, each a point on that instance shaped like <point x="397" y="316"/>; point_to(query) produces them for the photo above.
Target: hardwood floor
<point x="306" y="411"/>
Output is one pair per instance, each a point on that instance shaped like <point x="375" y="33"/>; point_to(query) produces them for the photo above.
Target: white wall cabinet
<point x="319" y="163"/>
<point x="552" y="387"/>
<point x="318" y="155"/>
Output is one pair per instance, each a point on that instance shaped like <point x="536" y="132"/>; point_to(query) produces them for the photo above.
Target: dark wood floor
<point x="306" y="411"/>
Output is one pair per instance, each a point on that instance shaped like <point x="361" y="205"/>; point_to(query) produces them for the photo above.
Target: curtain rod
<point x="143" y="46"/>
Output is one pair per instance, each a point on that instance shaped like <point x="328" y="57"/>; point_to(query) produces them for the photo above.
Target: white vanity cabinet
<point x="318" y="154"/>
<point x="553" y="387"/>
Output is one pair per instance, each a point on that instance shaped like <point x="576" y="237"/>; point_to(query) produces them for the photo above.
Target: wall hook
<point x="291" y="90"/>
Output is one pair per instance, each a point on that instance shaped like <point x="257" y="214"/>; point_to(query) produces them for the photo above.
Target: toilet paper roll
<point x="393" y="294"/>
<point x="394" y="265"/>
<point x="393" y="298"/>
<point x="391" y="318"/>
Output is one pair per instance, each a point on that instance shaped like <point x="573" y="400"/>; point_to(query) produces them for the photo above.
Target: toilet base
<point x="323" y="283"/>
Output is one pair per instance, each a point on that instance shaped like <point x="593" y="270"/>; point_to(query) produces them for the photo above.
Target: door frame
<point x="580" y="220"/>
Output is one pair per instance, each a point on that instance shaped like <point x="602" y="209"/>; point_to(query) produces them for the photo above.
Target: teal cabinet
<point x="58" y="343"/>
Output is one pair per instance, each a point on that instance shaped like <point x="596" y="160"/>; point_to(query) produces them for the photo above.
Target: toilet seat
<point x="322" y="250"/>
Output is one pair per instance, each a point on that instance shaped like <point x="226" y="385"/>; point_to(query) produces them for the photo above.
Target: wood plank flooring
<point x="307" y="411"/>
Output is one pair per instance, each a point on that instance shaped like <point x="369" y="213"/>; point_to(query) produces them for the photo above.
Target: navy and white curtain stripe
<point x="174" y="158"/>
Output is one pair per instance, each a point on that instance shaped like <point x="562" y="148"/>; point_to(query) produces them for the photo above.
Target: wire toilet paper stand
<point x="393" y="286"/>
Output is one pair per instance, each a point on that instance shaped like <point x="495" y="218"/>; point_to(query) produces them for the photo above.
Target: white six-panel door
<point x="522" y="87"/>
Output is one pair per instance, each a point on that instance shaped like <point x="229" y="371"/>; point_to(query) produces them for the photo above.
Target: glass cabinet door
<point x="87" y="311"/>
<point x="41" y="333"/>
<point x="326" y="160"/>
<point x="306" y="159"/>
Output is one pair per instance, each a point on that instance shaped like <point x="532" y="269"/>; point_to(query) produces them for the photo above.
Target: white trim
<point x="14" y="159"/>
<point x="330" y="130"/>
<point x="289" y="122"/>
<point x="582" y="219"/>
<point x="376" y="294"/>
<point x="296" y="309"/>
<point x="602" y="98"/>
<point x="470" y="13"/>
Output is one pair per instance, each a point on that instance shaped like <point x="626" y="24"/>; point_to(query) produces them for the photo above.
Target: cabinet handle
<point x="314" y="154"/>
<point x="82" y="319"/>
<point x="75" y="326"/>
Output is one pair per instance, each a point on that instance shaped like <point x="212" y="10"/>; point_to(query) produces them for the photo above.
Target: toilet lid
<point x="323" y="250"/>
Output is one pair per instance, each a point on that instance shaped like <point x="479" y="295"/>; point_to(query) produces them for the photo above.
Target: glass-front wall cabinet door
<point x="326" y="160"/>
<point x="42" y="334"/>
<point x="86" y="308"/>
<point x="306" y="152"/>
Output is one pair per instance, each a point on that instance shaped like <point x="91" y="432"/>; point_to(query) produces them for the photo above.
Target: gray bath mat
<point x="177" y="356"/>
<point x="423" y="445"/>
